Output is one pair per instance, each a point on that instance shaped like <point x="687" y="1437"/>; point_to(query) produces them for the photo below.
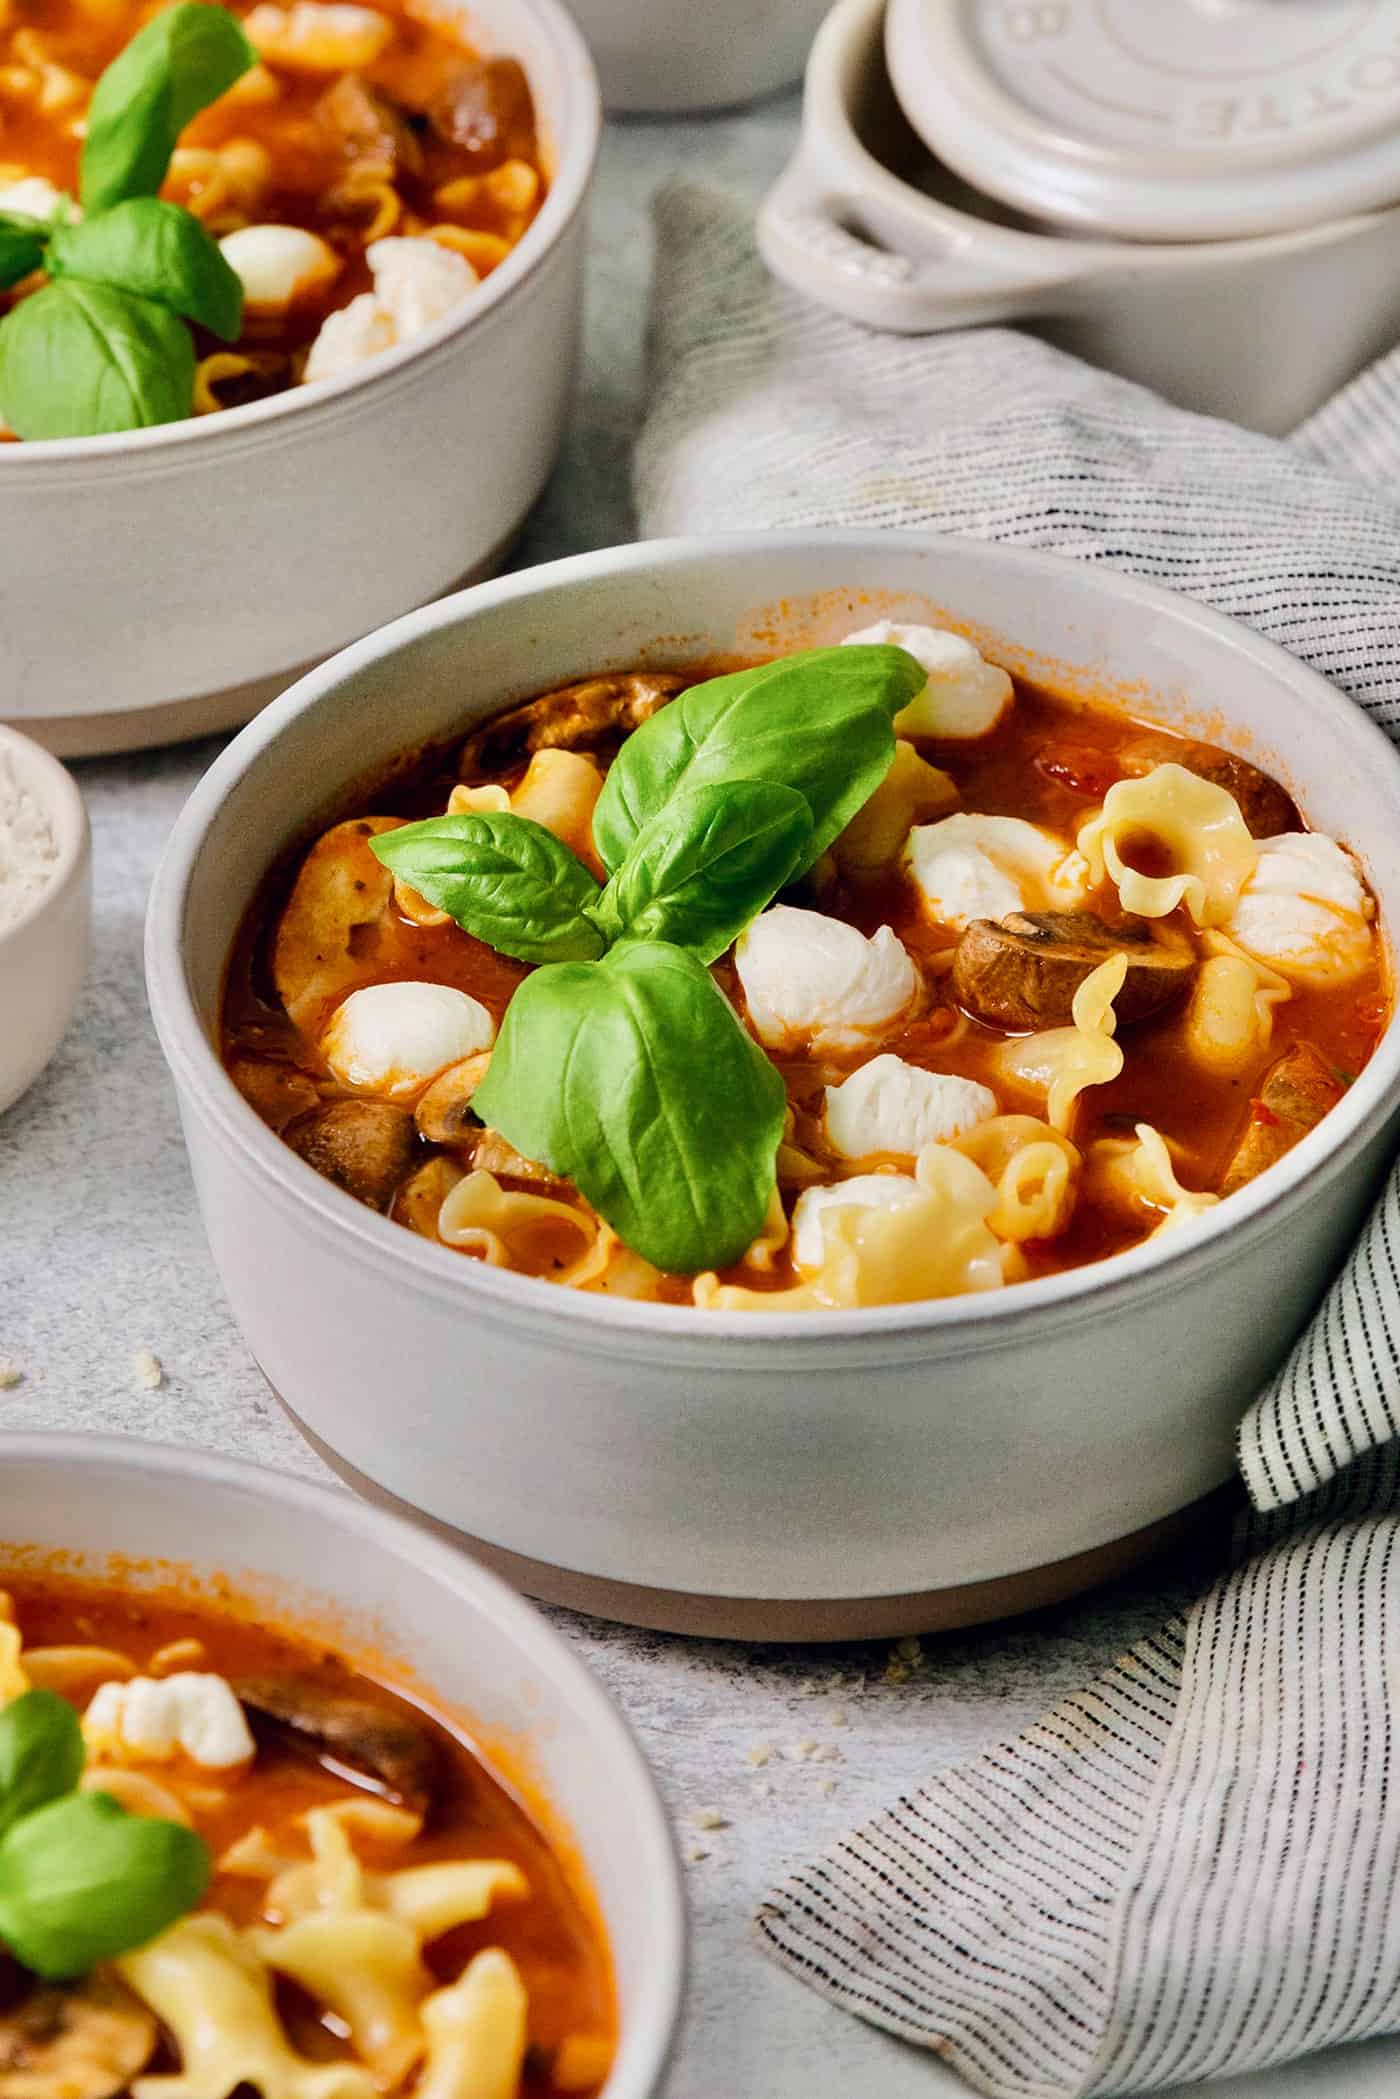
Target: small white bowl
<point x="215" y="558"/>
<point x="369" y="1584"/>
<point x="44" y="952"/>
<point x="670" y="57"/>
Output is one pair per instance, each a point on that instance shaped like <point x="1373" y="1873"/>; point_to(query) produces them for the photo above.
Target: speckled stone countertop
<point x="101" y="1255"/>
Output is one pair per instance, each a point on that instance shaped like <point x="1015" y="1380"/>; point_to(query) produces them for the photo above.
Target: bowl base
<point x="1204" y="1526"/>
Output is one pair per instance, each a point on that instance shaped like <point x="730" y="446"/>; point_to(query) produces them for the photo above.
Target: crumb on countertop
<point x="759" y="1753"/>
<point x="709" y="1818"/>
<point x="146" y="1370"/>
<point x="10" y="1374"/>
<point x="695" y="1852"/>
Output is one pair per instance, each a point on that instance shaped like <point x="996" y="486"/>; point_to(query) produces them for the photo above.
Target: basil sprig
<point x="104" y="346"/>
<point x="81" y="1880"/>
<point x="620" y="1064"/>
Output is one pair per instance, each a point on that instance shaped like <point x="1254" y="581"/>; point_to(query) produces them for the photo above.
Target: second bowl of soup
<point x="781" y="1032"/>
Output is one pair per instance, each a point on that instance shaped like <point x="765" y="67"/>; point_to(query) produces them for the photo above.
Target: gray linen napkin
<point x="1192" y="1867"/>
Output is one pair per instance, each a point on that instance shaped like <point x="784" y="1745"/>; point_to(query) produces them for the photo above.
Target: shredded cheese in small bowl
<point x="45" y="908"/>
<point x="29" y="854"/>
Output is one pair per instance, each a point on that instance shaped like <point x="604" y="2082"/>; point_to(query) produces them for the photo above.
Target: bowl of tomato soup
<point x="782" y="1029"/>
<point x="416" y="1839"/>
<point x="349" y="391"/>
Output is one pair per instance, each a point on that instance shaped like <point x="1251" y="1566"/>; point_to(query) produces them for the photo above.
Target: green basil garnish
<point x="82" y="1881"/>
<point x="708" y="863"/>
<point x="78" y="360"/>
<point x="819" y="722"/>
<point x="507" y="880"/>
<point x="158" y="252"/>
<point x="633" y="1078"/>
<point x="182" y="60"/>
<point x="41" y="1753"/>
<point x="22" y="244"/>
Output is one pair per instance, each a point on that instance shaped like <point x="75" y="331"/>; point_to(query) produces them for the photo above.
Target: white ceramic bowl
<point x="669" y="56"/>
<point x="193" y="568"/>
<point x="323" y="1563"/>
<point x="44" y="951"/>
<point x="864" y="221"/>
<point x="847" y="1472"/>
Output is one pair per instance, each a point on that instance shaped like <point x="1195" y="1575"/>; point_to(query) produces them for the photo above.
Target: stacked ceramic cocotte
<point x="1203" y="197"/>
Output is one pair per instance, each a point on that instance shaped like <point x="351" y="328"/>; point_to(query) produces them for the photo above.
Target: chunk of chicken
<point x="1264" y="805"/>
<point x="365" y="1147"/>
<point x="377" y="1745"/>
<point x="1023" y="971"/>
<point x="581" y="717"/>
<point x="325" y="941"/>
<point x="84" y="2040"/>
<point x="1297" y="1092"/>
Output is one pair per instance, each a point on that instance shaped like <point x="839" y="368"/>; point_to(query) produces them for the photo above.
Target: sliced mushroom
<point x="1023" y="971"/>
<point x="370" y="125"/>
<point x="278" y="1092"/>
<point x="487" y="111"/>
<point x="575" y="718"/>
<point x="365" y="1147"/>
<point x="84" y="2040"/>
<point x="444" y="1114"/>
<point x="326" y="936"/>
<point x="375" y="1745"/>
<point x="1264" y="805"/>
<point x="419" y="1201"/>
<point x="1297" y="1092"/>
<point x="492" y="1154"/>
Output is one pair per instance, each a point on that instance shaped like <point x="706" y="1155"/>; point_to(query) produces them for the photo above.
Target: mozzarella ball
<point x="965" y="695"/>
<point x="394" y="1039"/>
<point x="891" y="1106"/>
<point x="349" y="338"/>
<point x="32" y="198"/>
<point x="278" y="265"/>
<point x="866" y="1191"/>
<point x="318" y="36"/>
<point x="809" y="978"/>
<point x="417" y="281"/>
<point x="1304" y="910"/>
<point x="970" y="867"/>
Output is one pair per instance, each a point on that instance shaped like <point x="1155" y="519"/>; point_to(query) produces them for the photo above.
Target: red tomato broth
<point x="1049" y="761"/>
<point x="556" y="1944"/>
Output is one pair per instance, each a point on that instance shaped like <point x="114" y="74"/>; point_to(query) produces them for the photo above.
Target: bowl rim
<point x="580" y="137"/>
<point x="63" y="805"/>
<point x="648" y="2038"/>
<point x="981" y="1319"/>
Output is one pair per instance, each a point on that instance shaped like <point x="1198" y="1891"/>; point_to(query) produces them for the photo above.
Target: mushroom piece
<point x="1265" y="807"/>
<point x="364" y="1146"/>
<point x="486" y="109"/>
<point x="375" y="1746"/>
<point x="445" y="1115"/>
<point x="277" y="1092"/>
<point x="84" y="2040"/>
<point x="326" y="940"/>
<point x="1022" y="971"/>
<point x="492" y="1153"/>
<point x="579" y="717"/>
<point x="370" y="124"/>
<point x="419" y="1201"/>
<point x="1297" y="1092"/>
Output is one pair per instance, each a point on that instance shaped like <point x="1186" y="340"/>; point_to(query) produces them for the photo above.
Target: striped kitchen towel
<point x="1192" y="1867"/>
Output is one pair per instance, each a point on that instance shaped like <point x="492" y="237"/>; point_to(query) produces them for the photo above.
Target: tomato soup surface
<point x="1225" y="1097"/>
<point x="326" y="1738"/>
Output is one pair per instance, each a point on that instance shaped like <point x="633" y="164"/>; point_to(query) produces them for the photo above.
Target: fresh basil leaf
<point x="22" y="243"/>
<point x="78" y="359"/>
<point x="159" y="252"/>
<point x="504" y="878"/>
<point x="41" y="1753"/>
<point x="82" y="1881"/>
<point x="818" y="722"/>
<point x="707" y="864"/>
<point x="634" y="1079"/>
<point x="182" y="60"/>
